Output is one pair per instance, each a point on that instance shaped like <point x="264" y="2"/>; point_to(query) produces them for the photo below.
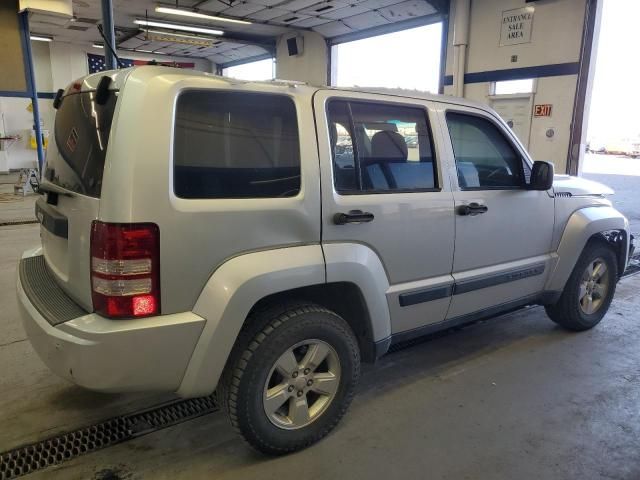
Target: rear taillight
<point x="125" y="269"/>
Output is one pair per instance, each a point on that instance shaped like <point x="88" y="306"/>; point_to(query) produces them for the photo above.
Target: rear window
<point x="75" y="159"/>
<point x="235" y="145"/>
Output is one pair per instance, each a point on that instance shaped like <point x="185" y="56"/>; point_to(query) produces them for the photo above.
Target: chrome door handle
<point x="472" y="209"/>
<point x="354" y="216"/>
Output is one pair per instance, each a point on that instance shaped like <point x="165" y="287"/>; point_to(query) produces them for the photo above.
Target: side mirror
<point x="541" y="176"/>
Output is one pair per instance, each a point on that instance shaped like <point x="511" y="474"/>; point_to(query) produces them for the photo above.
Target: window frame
<point x="172" y="163"/>
<point x="351" y="100"/>
<point x="507" y="137"/>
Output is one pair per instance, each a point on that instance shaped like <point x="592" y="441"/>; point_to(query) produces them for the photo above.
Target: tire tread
<point x="259" y="326"/>
<point x="565" y="311"/>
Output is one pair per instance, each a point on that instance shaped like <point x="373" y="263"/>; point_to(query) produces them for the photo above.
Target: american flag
<point x="97" y="63"/>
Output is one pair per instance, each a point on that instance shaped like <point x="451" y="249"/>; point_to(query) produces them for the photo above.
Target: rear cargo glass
<point x="75" y="157"/>
<point x="235" y="145"/>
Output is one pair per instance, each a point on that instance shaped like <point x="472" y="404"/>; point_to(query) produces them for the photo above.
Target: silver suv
<point x="262" y="239"/>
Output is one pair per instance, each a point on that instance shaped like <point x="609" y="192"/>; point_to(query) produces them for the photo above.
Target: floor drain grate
<point x="56" y="450"/>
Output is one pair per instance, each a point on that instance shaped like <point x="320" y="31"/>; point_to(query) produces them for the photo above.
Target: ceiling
<point x="270" y="18"/>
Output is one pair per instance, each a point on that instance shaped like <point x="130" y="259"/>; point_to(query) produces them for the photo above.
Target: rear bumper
<point x="148" y="354"/>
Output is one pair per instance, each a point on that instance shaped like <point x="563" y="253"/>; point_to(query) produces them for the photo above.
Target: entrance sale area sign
<point x="516" y="26"/>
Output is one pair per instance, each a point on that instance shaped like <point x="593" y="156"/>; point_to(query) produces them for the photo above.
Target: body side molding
<point x="425" y="295"/>
<point x="499" y="278"/>
<point x="465" y="286"/>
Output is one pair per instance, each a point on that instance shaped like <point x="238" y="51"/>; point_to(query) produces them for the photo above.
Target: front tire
<point x="291" y="377"/>
<point x="589" y="291"/>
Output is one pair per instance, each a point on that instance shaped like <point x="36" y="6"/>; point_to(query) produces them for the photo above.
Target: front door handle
<point x="472" y="209"/>
<point x="354" y="216"/>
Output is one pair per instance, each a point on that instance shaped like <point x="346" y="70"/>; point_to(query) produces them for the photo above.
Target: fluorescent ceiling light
<point x="192" y="14"/>
<point x="175" y="26"/>
<point x="140" y="50"/>
<point x="97" y="45"/>
<point x="41" y="38"/>
<point x="181" y="35"/>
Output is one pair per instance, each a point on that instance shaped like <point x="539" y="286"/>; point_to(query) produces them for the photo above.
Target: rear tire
<point x="589" y="291"/>
<point x="291" y="377"/>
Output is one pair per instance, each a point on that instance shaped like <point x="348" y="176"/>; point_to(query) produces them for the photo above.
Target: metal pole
<point x="109" y="33"/>
<point x="32" y="89"/>
<point x="444" y="48"/>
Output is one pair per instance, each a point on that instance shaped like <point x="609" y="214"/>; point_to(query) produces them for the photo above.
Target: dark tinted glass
<point x="393" y="150"/>
<point x="75" y="157"/>
<point x="484" y="157"/>
<point x="235" y="145"/>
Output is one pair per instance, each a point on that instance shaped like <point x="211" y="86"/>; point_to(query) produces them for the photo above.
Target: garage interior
<point x="510" y="397"/>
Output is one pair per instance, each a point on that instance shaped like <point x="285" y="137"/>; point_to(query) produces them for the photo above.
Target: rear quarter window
<point x="235" y="145"/>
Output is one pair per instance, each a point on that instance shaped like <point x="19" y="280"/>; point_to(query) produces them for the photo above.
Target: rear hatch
<point x="72" y="180"/>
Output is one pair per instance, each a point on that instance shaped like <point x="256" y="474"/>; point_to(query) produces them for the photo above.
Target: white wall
<point x="56" y="65"/>
<point x="555" y="38"/>
<point x="16" y="119"/>
<point x="19" y="121"/>
<point x="311" y="66"/>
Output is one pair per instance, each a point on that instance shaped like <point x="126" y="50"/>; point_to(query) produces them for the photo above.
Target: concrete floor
<point x="15" y="207"/>
<point x="514" y="397"/>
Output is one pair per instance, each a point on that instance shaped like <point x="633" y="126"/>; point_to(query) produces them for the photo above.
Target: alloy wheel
<point x="301" y="384"/>
<point x="594" y="286"/>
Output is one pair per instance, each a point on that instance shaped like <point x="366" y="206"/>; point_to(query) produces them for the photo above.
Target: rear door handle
<point x="354" y="216"/>
<point x="472" y="209"/>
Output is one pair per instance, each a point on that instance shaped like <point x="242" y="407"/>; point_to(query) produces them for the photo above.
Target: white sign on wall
<point x="516" y="26"/>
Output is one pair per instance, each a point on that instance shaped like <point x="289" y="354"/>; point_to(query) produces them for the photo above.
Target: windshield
<point x="75" y="159"/>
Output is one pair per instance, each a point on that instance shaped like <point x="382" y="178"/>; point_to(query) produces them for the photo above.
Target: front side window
<point x="235" y="145"/>
<point x="392" y="151"/>
<point x="484" y="157"/>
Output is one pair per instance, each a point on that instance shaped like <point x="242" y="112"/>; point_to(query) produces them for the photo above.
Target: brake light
<point x="125" y="269"/>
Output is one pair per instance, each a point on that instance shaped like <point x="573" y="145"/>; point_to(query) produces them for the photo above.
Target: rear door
<point x="382" y="187"/>
<point x="73" y="174"/>
<point x="503" y="229"/>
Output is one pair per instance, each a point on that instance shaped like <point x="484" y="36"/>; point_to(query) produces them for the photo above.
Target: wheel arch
<point x="344" y="298"/>
<point x="349" y="285"/>
<point x="585" y="225"/>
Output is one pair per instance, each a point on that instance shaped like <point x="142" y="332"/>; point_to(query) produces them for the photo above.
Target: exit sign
<point x="542" y="110"/>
